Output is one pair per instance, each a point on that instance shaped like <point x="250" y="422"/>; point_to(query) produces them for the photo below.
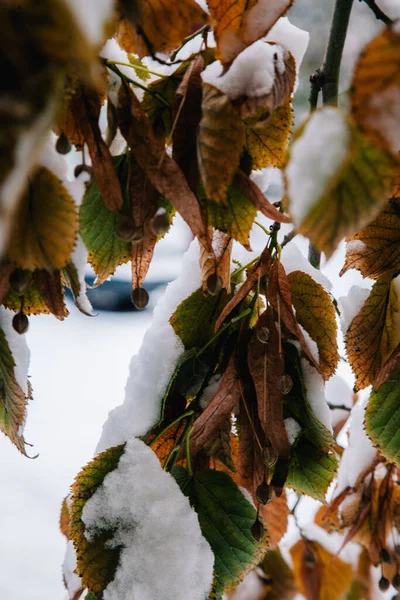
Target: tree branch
<point x="379" y="14"/>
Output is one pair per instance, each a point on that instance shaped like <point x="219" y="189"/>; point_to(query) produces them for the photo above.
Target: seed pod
<point x="269" y="456"/>
<point x="140" y="298"/>
<point x="79" y="169"/>
<point x="137" y="235"/>
<point x="257" y="530"/>
<point x="63" y="145"/>
<point x="309" y="558"/>
<point x="384" y="584"/>
<point x="160" y="223"/>
<point x="127" y="231"/>
<point x="264" y="493"/>
<point x="384" y="556"/>
<point x="396" y="582"/>
<point x="263" y="334"/>
<point x="20" y="323"/>
<point x="20" y="280"/>
<point x="285" y="384"/>
<point x="214" y="284"/>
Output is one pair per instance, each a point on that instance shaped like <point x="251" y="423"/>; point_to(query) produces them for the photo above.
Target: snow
<point x="210" y="390"/>
<point x="292" y="429"/>
<point x="152" y="368"/>
<point x="315" y="158"/>
<point x="291" y="38"/>
<point x="112" y="51"/>
<point x="312" y="346"/>
<point x="164" y="555"/>
<point x="79" y="259"/>
<point x="315" y="393"/>
<point x="294" y="260"/>
<point x="359" y="454"/>
<point x="356" y="246"/>
<point x="262" y="178"/>
<point x="250" y="588"/>
<point x="19" y="349"/>
<point x="251" y="74"/>
<point x="338" y="392"/>
<point x="351" y="305"/>
<point x="263" y="14"/>
<point x="92" y="17"/>
<point x="71" y="579"/>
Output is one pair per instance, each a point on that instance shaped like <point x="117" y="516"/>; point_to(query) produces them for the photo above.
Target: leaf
<point x="96" y="563"/>
<point x="267" y="142"/>
<point x="140" y="68"/>
<point x="239" y="24"/>
<point x="220" y="143"/>
<point x="251" y="191"/>
<point x="375" y="249"/>
<point x="45" y="225"/>
<point x="316" y="313"/>
<point x="280" y="296"/>
<point x="253" y="276"/>
<point x="207" y="426"/>
<point x="70" y="279"/>
<point x="266" y="368"/>
<point x="65" y="519"/>
<point x="162" y="172"/>
<point x="34" y="303"/>
<point x="152" y="26"/>
<point x="218" y="262"/>
<point x="365" y="339"/>
<point x="251" y="469"/>
<point x="280" y="576"/>
<point x="6" y="270"/>
<point x="218" y="446"/>
<point x="334" y="576"/>
<point x="343" y="199"/>
<point x="167" y="441"/>
<point x="98" y="228"/>
<point x="275" y="515"/>
<point x="225" y="518"/>
<point x="50" y="288"/>
<point x="194" y="319"/>
<point x="311" y="471"/>
<point x="382" y="418"/>
<point x="375" y="90"/>
<point x="13" y="401"/>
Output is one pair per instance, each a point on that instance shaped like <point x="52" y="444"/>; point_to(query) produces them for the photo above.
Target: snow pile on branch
<point x="293" y="429"/>
<point x="152" y="368"/>
<point x="316" y="393"/>
<point x="339" y="393"/>
<point x="72" y="581"/>
<point x="291" y="38"/>
<point x="294" y="260"/>
<point x="315" y="158"/>
<point x="164" y="555"/>
<point x="351" y="305"/>
<point x="18" y="347"/>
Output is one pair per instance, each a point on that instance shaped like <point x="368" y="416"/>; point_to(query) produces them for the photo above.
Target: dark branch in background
<point x="326" y="79"/>
<point x="379" y="14"/>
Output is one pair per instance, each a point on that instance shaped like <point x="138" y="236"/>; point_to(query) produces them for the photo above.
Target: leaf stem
<point x="261" y="226"/>
<point x="135" y="67"/>
<point x="379" y="14"/>
<point x="242" y="269"/>
<point x="175" y="53"/>
<point x="188" y="413"/>
<point x="224" y="328"/>
<point x="188" y="459"/>
<point x="155" y="95"/>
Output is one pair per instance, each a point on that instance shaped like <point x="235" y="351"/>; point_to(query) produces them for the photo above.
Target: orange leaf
<point x="50" y="287"/>
<point x="65" y="519"/>
<point x="255" y="195"/>
<point x="275" y="516"/>
<point x="218" y="262"/>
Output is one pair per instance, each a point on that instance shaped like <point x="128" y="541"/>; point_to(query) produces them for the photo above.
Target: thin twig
<point x="288" y="238"/>
<point x="249" y="417"/>
<point x="379" y="14"/>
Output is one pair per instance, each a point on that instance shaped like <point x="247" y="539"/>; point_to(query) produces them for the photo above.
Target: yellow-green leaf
<point x="45" y="225"/>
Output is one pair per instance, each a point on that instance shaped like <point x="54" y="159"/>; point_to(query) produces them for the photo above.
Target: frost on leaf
<point x="349" y="187"/>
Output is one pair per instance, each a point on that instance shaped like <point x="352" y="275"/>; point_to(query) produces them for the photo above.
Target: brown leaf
<point x="162" y="172"/>
<point x="50" y="288"/>
<point x="258" y="271"/>
<point x="150" y="26"/>
<point x="218" y="411"/>
<point x="376" y="248"/>
<point x="266" y="368"/>
<point x="275" y="516"/>
<point x="364" y="335"/>
<point x="88" y="112"/>
<point x="217" y="262"/>
<point x="144" y="199"/>
<point x="280" y="296"/>
<point x="316" y="313"/>
<point x="167" y="441"/>
<point x="385" y="372"/>
<point x="218" y="445"/>
<point x="238" y="24"/>
<point x="5" y="271"/>
<point x="251" y="190"/>
<point x="251" y="468"/>
<point x="220" y="142"/>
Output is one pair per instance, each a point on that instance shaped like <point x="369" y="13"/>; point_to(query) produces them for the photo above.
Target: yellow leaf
<point x="220" y="144"/>
<point x="65" y="519"/>
<point x="238" y="24"/>
<point x="157" y="25"/>
<point x="375" y="90"/>
<point x="45" y="225"/>
<point x="318" y="573"/>
<point x="266" y="142"/>
<point x="316" y="313"/>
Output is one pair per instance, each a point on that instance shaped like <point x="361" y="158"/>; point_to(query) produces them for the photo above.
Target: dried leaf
<point x="391" y="364"/>
<point x="258" y="271"/>
<point x="375" y="90"/>
<point x="319" y="574"/>
<point x="251" y="469"/>
<point x="50" y="288"/>
<point x="316" y="313"/>
<point x="217" y="262"/>
<point x="375" y="249"/>
<point x="266" y="368"/>
<point x="65" y="526"/>
<point x="220" y="143"/>
<point x="5" y="271"/>
<point x="162" y="172"/>
<point x="218" y="445"/>
<point x="239" y="24"/>
<point x="252" y="192"/>
<point x="267" y="141"/>
<point x="152" y="26"/>
<point x="167" y="441"/>
<point x="45" y="225"/>
<point x="70" y="279"/>
<point x="280" y="583"/>
<point x="275" y="516"/>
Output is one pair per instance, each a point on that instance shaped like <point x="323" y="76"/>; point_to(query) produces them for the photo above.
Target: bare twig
<point x="379" y="14"/>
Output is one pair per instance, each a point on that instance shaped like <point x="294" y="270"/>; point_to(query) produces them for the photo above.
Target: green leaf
<point x="225" y="518"/>
<point x="96" y="564"/>
<point x="98" y="227"/>
<point x="382" y="418"/>
<point x="311" y="471"/>
<point x="141" y="69"/>
<point x="12" y="398"/>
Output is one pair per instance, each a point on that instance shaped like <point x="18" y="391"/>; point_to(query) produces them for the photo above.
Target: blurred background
<point x="79" y="366"/>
